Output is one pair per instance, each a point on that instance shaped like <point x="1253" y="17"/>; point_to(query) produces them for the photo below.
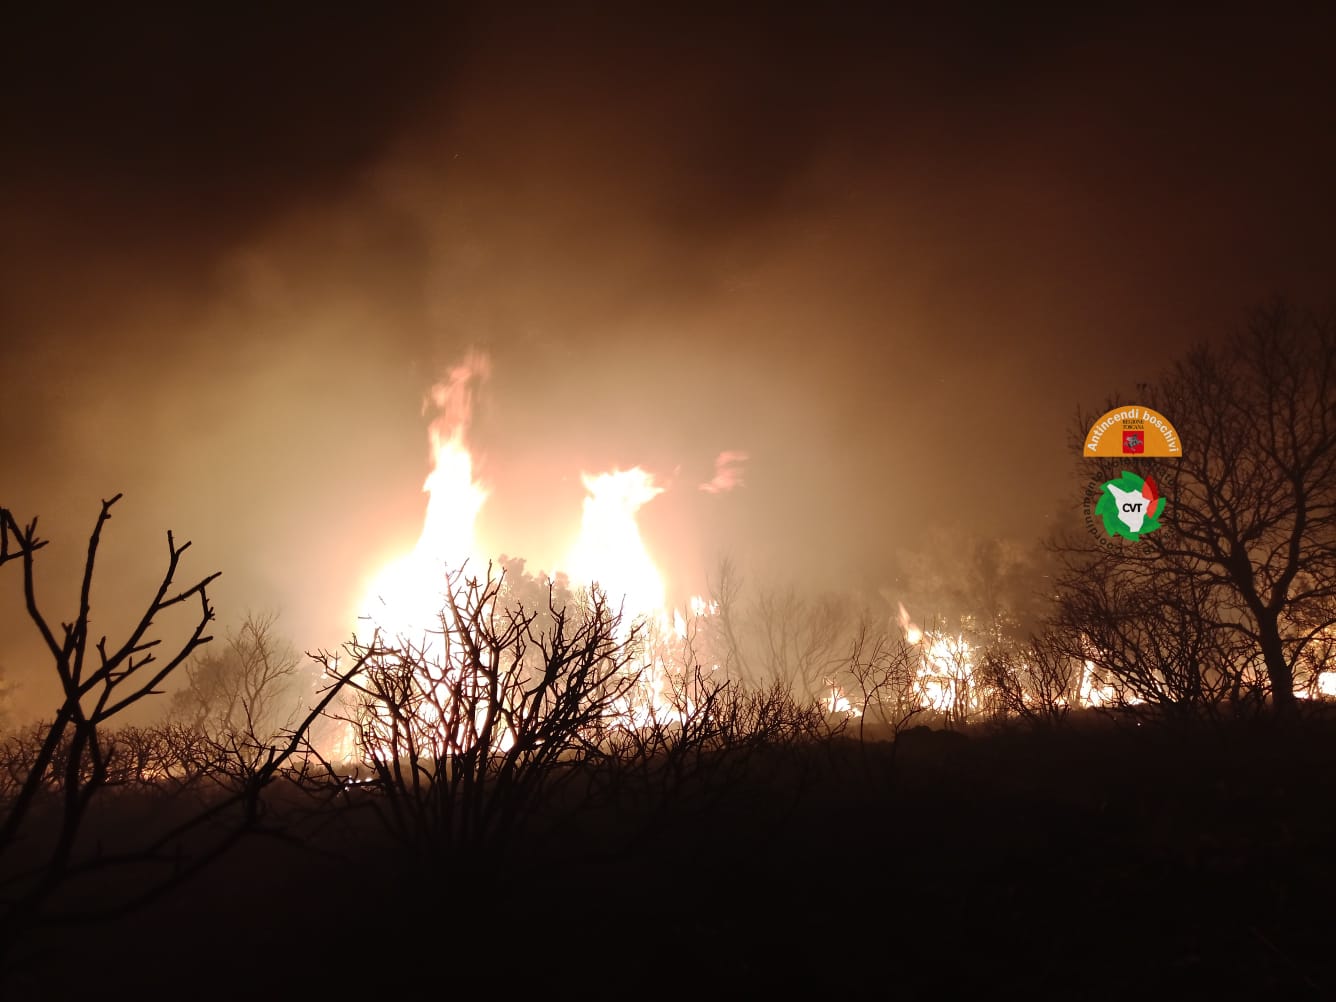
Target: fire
<point x="838" y="702"/>
<point x="1092" y="693"/>
<point x="947" y="672"/>
<point x="405" y="599"/>
<point x="610" y="555"/>
<point x="610" y="552"/>
<point x="912" y="633"/>
<point x="946" y="668"/>
<point x="405" y="596"/>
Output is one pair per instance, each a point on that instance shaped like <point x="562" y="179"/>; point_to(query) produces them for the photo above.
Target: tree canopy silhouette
<point x="1249" y="542"/>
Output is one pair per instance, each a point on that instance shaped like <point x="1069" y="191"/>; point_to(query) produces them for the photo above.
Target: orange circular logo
<point x="1132" y="431"/>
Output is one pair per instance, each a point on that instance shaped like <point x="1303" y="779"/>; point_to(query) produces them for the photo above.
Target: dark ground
<point x="1130" y="863"/>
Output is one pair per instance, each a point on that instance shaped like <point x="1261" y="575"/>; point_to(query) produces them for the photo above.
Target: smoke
<point x="890" y="257"/>
<point x="452" y="398"/>
<point x="727" y="473"/>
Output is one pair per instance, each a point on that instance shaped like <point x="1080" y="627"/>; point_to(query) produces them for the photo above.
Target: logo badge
<point x="1132" y="431"/>
<point x="1130" y="506"/>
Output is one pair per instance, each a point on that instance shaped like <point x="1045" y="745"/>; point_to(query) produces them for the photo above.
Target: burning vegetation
<point x="480" y="706"/>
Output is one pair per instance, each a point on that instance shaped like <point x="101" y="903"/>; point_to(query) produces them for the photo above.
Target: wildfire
<point x="1092" y="692"/>
<point x="946" y="670"/>
<point x="837" y="702"/>
<point x="610" y="552"/>
<point x="611" y="555"/>
<point x="912" y="633"/>
<point x="947" y="674"/>
<point x="405" y="596"/>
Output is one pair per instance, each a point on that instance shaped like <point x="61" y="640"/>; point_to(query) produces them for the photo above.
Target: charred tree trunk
<point x="1278" y="669"/>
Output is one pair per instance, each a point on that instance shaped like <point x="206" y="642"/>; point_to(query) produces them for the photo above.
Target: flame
<point x="609" y="551"/>
<point x="405" y="596"/>
<point x="1092" y="693"/>
<point x="946" y="669"/>
<point x="912" y="633"/>
<point x="610" y="554"/>
<point x="838" y="702"/>
<point x="946" y="674"/>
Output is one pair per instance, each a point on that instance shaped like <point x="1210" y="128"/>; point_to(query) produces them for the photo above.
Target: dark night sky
<point x="886" y="256"/>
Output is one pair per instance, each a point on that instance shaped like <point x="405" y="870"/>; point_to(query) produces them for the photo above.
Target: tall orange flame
<point x="405" y="597"/>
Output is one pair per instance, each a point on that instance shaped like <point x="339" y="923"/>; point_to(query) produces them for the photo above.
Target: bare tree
<point x="6" y="701"/>
<point x="241" y="698"/>
<point x="1251" y="520"/>
<point x="97" y="681"/>
<point x="1163" y="641"/>
<point x="883" y="670"/>
<point x="780" y="635"/>
<point x="1037" y="682"/>
<point x="1003" y="586"/>
<point x="464" y="730"/>
<point x="53" y="778"/>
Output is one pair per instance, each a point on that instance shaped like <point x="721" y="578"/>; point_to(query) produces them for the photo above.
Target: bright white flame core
<point x="609" y="551"/>
<point x="405" y="597"/>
